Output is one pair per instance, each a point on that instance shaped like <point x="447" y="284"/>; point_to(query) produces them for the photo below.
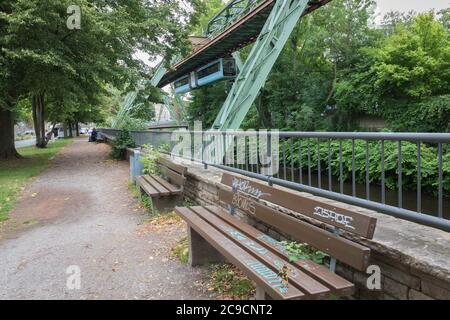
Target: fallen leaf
<point x="34" y="195"/>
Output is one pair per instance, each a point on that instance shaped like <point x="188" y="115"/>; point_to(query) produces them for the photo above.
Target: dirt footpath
<point x="80" y="213"/>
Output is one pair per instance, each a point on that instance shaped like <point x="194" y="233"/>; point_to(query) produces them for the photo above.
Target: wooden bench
<point x="166" y="190"/>
<point x="216" y="234"/>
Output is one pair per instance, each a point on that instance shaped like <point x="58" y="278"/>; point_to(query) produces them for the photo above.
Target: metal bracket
<point x="232" y="208"/>
<point x="253" y="75"/>
<point x="337" y="232"/>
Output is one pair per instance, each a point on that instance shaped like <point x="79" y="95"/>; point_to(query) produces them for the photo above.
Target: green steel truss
<point x="176" y="107"/>
<point x="172" y="102"/>
<point x="253" y="75"/>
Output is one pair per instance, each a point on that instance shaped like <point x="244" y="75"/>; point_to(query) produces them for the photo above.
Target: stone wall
<point x="414" y="259"/>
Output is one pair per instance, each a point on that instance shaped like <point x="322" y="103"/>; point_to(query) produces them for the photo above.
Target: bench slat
<point x="173" y="177"/>
<point x="172" y="188"/>
<point x="155" y="184"/>
<point x="337" y="284"/>
<point x="347" y="220"/>
<point x="173" y="166"/>
<point x="296" y="277"/>
<point x="148" y="188"/>
<point x="342" y="249"/>
<point x="240" y="258"/>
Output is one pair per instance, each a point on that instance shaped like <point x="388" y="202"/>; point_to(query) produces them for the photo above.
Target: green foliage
<point x="147" y="203"/>
<point x="164" y="148"/>
<point x="231" y="283"/>
<point x="149" y="159"/>
<point x="120" y="145"/>
<point x="181" y="250"/>
<point x="72" y="70"/>
<point x="144" y="199"/>
<point x="404" y="78"/>
<point x="409" y="162"/>
<point x="15" y="174"/>
<point x="188" y="203"/>
<point x="302" y="251"/>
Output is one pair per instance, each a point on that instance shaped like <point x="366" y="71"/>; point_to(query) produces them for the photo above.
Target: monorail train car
<point x="221" y="69"/>
<point x="182" y="85"/>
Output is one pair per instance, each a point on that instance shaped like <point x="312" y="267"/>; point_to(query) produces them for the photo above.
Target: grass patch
<point x="181" y="251"/>
<point x="14" y="174"/>
<point x="231" y="283"/>
<point x="188" y="203"/>
<point x="144" y="199"/>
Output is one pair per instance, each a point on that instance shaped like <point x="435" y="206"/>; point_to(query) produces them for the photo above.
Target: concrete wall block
<point x="359" y="278"/>
<point x="395" y="289"/>
<point x="434" y="291"/>
<point x="417" y="295"/>
<point x="344" y="271"/>
<point x="403" y="277"/>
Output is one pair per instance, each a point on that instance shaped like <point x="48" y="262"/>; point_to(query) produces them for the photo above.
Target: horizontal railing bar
<point x="392" y="136"/>
<point x="404" y="214"/>
<point x="417" y="137"/>
<point x="439" y="221"/>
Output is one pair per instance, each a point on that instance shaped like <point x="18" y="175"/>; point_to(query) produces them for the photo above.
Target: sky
<point x="384" y="6"/>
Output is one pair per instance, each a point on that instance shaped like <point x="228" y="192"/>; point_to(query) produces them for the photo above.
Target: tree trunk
<point x="263" y="112"/>
<point x="38" y="119"/>
<point x="69" y="124"/>
<point x="77" y="128"/>
<point x="7" y="139"/>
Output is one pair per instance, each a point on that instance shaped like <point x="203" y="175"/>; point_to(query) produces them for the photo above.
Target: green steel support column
<point x="172" y="101"/>
<point x="159" y="73"/>
<point x="175" y="105"/>
<point x="237" y="57"/>
<point x="267" y="48"/>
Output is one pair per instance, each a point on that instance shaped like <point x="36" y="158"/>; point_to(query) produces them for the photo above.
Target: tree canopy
<point x="65" y="73"/>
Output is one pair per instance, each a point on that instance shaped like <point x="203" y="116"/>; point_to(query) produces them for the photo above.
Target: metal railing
<point x="406" y="175"/>
<point x="155" y="138"/>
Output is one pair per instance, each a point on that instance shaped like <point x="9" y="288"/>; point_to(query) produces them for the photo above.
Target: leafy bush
<point x="150" y="156"/>
<point x="409" y="162"/>
<point x="148" y="159"/>
<point x="120" y="145"/>
<point x="164" y="148"/>
<point x="302" y="251"/>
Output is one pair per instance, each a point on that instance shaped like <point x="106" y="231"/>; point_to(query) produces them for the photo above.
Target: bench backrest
<point x="245" y="193"/>
<point x="172" y="172"/>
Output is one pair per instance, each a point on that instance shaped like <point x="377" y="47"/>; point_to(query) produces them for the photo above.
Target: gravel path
<point x="80" y="212"/>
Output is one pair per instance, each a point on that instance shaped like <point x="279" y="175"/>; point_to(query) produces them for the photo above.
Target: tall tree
<point x="43" y="60"/>
<point x="405" y="78"/>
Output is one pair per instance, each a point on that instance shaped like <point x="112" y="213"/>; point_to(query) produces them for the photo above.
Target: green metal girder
<point x="175" y="105"/>
<point x="266" y="50"/>
<point x="158" y="74"/>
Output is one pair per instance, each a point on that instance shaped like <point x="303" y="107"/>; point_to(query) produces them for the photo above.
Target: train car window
<point x="209" y="70"/>
<point x="181" y="82"/>
<point x="229" y="67"/>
